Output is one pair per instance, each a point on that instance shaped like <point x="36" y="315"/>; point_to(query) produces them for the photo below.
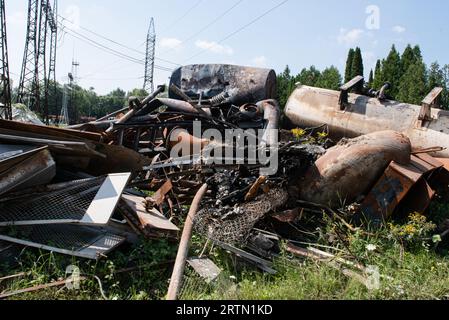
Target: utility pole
<point x="73" y="82"/>
<point x="5" y="84"/>
<point x="148" y="83"/>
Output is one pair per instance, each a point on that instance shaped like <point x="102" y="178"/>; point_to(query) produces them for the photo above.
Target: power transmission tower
<point x="40" y="73"/>
<point x="52" y="16"/>
<point x="26" y="94"/>
<point x="5" y="84"/>
<point x="148" y="83"/>
<point x="34" y="76"/>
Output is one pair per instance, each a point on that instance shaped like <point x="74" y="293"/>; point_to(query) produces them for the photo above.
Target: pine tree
<point x="357" y="64"/>
<point x="391" y="71"/>
<point x="348" y="70"/>
<point x="412" y="88"/>
<point x="357" y="68"/>
<point x="377" y="83"/>
<point x="436" y="77"/>
<point x="445" y="100"/>
<point x="408" y="58"/>
<point x="371" y="79"/>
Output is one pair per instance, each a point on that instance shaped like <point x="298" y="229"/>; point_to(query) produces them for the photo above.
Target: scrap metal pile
<point x="86" y="189"/>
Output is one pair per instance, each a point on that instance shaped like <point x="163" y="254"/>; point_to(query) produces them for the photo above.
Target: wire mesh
<point x="236" y="228"/>
<point x="67" y="203"/>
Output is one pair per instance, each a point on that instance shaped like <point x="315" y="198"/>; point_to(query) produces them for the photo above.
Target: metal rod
<point x="178" y="271"/>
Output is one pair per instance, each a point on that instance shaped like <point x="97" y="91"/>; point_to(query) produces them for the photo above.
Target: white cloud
<point x="349" y="37"/>
<point x="214" y="47"/>
<point x="170" y="43"/>
<point x="260" y="61"/>
<point x="399" y="29"/>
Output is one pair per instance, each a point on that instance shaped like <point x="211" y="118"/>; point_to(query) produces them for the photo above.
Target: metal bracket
<point x="429" y="102"/>
<point x="344" y="92"/>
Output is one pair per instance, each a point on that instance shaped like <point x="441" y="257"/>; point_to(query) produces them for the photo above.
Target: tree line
<point x="409" y="78"/>
<point x="87" y="102"/>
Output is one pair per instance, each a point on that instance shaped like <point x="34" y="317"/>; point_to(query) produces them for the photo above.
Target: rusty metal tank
<point x="244" y="84"/>
<point x="311" y="107"/>
<point x="351" y="168"/>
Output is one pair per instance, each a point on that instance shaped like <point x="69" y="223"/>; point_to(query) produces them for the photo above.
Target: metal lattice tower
<point x="52" y="18"/>
<point x="148" y="83"/>
<point x="5" y="84"/>
<point x="40" y="73"/>
<point x="26" y="94"/>
<point x="41" y="19"/>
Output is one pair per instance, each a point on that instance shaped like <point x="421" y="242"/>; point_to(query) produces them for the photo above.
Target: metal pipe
<point x="311" y="107"/>
<point x="178" y="270"/>
<point x="271" y="113"/>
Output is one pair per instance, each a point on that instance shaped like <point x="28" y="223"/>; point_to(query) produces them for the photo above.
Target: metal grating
<point x="66" y="203"/>
<point x="87" y="242"/>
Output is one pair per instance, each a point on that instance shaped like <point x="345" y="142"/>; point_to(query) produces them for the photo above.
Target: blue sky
<point x="298" y="33"/>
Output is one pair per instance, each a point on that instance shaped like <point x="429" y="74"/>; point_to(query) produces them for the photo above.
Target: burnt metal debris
<point x="86" y="189"/>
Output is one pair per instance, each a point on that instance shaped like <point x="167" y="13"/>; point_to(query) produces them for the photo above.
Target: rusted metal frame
<point x="344" y="92"/>
<point x="429" y="102"/>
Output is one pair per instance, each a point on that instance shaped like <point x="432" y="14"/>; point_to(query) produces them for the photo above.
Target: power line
<point x="175" y="22"/>
<point x="117" y="43"/>
<point x="207" y="26"/>
<point x="109" y="50"/>
<point x="241" y="28"/>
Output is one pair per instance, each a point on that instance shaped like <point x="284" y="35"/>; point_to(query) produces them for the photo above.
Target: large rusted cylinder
<point x="312" y="107"/>
<point x="244" y="84"/>
<point x="352" y="168"/>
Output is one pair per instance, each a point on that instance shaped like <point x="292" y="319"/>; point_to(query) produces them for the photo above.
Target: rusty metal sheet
<point x="37" y="169"/>
<point x="54" y="132"/>
<point x="159" y="197"/>
<point x="394" y="186"/>
<point x="152" y="219"/>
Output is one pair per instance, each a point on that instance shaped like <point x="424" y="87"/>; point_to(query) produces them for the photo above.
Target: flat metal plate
<point x="205" y="267"/>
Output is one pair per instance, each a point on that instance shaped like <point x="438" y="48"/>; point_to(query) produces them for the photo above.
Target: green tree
<point x="349" y="60"/>
<point x="413" y="86"/>
<point x="330" y="79"/>
<point x="445" y="101"/>
<point x="285" y="86"/>
<point x="408" y="58"/>
<point x="309" y="77"/>
<point x="371" y="79"/>
<point x="378" y="82"/>
<point x="357" y="64"/>
<point x="139" y="93"/>
<point x="391" y="71"/>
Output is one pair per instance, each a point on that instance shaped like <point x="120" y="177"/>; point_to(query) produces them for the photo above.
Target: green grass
<point x="411" y="267"/>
